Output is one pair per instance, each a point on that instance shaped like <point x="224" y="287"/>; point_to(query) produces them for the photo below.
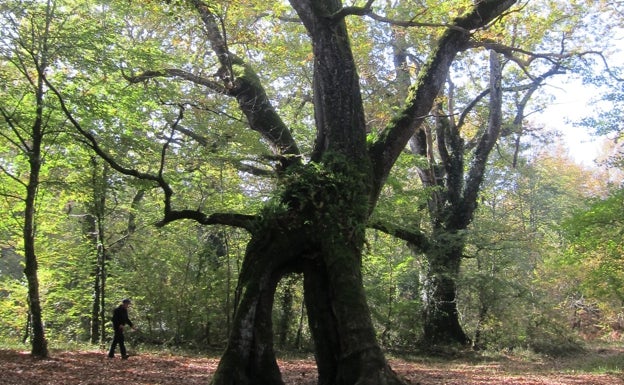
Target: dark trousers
<point x="118" y="339"/>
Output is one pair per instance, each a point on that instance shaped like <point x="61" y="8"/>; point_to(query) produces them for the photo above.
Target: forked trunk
<point x="327" y="250"/>
<point x="250" y="357"/>
<point x="346" y="348"/>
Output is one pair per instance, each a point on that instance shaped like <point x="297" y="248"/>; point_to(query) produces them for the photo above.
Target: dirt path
<point x="93" y="368"/>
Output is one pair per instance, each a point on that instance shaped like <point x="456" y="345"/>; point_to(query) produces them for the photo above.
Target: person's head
<point x="126" y="302"/>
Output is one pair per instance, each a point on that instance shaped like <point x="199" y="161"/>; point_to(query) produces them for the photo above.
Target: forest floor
<point x="603" y="366"/>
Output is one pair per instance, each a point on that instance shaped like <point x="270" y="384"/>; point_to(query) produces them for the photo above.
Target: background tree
<point x="453" y="147"/>
<point x="42" y="40"/>
<point x="30" y="127"/>
<point x="515" y="234"/>
<point x="590" y="272"/>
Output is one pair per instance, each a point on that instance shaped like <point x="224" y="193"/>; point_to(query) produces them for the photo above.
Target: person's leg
<point x="111" y="352"/>
<point x="122" y="345"/>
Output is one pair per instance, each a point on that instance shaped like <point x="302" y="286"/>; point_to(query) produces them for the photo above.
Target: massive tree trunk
<point x="346" y="348"/>
<point x="321" y="234"/>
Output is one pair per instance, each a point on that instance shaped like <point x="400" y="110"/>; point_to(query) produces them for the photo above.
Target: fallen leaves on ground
<point x="94" y="368"/>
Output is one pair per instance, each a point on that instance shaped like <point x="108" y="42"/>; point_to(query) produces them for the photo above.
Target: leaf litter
<point x="92" y="367"/>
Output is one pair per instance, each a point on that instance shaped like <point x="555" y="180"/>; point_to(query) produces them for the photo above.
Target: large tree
<point x="477" y="110"/>
<point x="316" y="219"/>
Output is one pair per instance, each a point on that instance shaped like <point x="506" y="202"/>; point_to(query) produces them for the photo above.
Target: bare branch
<point x="176" y="73"/>
<point x="608" y="69"/>
<point x="412" y="23"/>
<point x="23" y="144"/>
<point x="170" y="215"/>
<point x="11" y="196"/>
<point x="13" y="177"/>
<point x="229" y="219"/>
<point x="360" y="11"/>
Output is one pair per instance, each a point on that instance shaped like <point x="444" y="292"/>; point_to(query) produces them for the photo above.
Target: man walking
<point x="120" y="320"/>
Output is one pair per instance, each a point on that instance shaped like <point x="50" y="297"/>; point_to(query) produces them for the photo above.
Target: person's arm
<point x="127" y="320"/>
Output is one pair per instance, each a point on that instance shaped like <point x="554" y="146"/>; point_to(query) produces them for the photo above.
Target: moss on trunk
<point x="315" y="226"/>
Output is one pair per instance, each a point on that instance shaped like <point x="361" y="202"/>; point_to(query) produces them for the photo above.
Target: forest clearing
<point x="91" y="367"/>
<point x="345" y="178"/>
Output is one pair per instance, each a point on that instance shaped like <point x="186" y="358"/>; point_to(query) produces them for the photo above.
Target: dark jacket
<point x="120" y="317"/>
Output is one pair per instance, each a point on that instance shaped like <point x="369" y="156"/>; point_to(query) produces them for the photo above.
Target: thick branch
<point x="229" y="219"/>
<point x="338" y="109"/>
<point x="416" y="239"/>
<point x="253" y="170"/>
<point x="486" y="143"/>
<point x="242" y="82"/>
<point x="368" y="11"/>
<point x="430" y="81"/>
<point x="344" y="12"/>
<point x="92" y="142"/>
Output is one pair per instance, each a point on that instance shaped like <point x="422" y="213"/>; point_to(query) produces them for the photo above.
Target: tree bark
<point x="441" y="325"/>
<point x="249" y="357"/>
<point x="346" y="348"/>
<point x="39" y="343"/>
<point x="39" y="346"/>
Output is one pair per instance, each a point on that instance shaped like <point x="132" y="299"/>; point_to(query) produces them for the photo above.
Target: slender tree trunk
<point x="287" y="314"/>
<point x="39" y="343"/>
<point x="98" y="313"/>
<point x="94" y="229"/>
<point x="95" y="306"/>
<point x="299" y="336"/>
<point x="102" y="307"/>
<point x="479" y="344"/>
